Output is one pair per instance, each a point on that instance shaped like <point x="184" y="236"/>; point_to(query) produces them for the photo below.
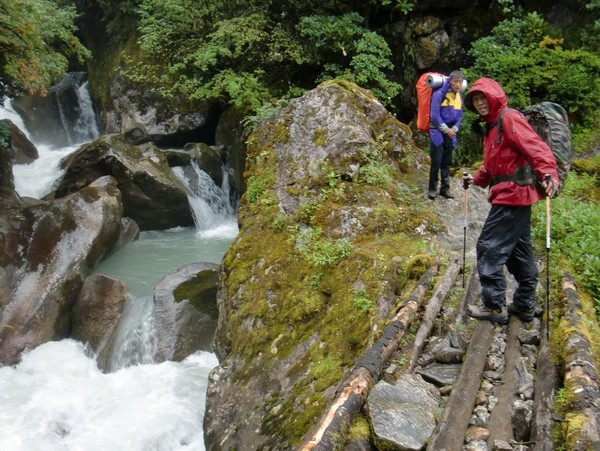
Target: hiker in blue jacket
<point x="446" y="114"/>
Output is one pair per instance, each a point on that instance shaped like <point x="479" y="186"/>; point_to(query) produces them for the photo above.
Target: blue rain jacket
<point x="446" y="108"/>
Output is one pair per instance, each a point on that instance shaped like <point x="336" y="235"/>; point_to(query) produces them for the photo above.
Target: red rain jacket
<point x="519" y="145"/>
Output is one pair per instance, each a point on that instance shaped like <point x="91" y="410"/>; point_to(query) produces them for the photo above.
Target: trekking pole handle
<point x="465" y="182"/>
<point x="548" y="179"/>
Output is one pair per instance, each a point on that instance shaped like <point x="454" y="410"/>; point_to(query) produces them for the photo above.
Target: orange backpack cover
<point x="423" y="101"/>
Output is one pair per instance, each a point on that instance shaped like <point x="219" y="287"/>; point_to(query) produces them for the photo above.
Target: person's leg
<point x="521" y="264"/>
<point x="435" y="152"/>
<point x="445" y="164"/>
<point x="500" y="234"/>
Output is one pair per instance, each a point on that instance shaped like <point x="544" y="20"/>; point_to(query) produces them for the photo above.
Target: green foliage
<point x="405" y="6"/>
<point x="37" y="41"/>
<point x="220" y="51"/>
<point x="361" y="301"/>
<point x="347" y="50"/>
<point x="322" y="251"/>
<point x="531" y="65"/>
<point x="575" y="230"/>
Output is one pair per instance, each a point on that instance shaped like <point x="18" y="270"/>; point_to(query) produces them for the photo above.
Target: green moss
<point x="588" y="165"/>
<point x="320" y="137"/>
<point x="201" y="292"/>
<point x="416" y="266"/>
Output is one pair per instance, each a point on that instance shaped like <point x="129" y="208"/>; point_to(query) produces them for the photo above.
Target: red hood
<point x="494" y="93"/>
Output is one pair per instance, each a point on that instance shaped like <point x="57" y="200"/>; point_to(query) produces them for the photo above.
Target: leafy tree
<point x="345" y="49"/>
<point x="532" y="66"/>
<point x="37" y="41"/>
<point x="246" y="53"/>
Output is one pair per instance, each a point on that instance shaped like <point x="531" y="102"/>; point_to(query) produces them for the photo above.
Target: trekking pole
<point x="466" y="187"/>
<point x="548" y="179"/>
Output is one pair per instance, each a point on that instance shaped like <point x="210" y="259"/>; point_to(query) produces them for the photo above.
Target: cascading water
<point x="56" y="398"/>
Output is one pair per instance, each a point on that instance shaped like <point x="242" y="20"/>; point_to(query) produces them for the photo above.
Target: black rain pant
<point x="441" y="160"/>
<point x="506" y="240"/>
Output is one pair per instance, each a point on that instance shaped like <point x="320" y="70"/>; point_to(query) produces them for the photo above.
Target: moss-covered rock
<point x="329" y="221"/>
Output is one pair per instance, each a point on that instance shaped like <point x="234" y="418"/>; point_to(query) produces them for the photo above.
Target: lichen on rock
<point x="329" y="223"/>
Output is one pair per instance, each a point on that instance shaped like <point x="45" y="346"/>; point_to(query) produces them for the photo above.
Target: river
<point x="56" y="398"/>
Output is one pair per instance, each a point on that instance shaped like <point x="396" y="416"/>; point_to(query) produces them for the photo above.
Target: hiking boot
<point x="431" y="194"/>
<point x="524" y="315"/>
<point x="446" y="194"/>
<point x="496" y="316"/>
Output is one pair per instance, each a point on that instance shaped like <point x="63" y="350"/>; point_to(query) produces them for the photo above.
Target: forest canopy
<point x="38" y="44"/>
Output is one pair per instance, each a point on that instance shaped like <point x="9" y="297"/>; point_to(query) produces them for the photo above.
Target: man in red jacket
<point x="511" y="162"/>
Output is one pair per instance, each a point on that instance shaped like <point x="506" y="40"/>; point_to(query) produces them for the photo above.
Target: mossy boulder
<point x="152" y="196"/>
<point x="332" y="214"/>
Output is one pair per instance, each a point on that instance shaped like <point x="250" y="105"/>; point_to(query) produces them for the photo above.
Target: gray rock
<point x="186" y="311"/>
<point x="96" y="314"/>
<point x="64" y="239"/>
<point x="440" y="374"/>
<point x="22" y="150"/>
<point x="403" y="414"/>
<point x="135" y="107"/>
<point x="152" y="196"/>
<point x="521" y="416"/>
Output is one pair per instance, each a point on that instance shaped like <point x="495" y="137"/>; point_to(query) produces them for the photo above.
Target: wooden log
<point x="329" y="433"/>
<point x="432" y="311"/>
<point x="450" y="431"/>
<point x="580" y="372"/>
<point x="545" y="391"/>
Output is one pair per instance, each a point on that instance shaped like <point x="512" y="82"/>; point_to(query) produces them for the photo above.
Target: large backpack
<point x="424" y="91"/>
<point x="551" y="122"/>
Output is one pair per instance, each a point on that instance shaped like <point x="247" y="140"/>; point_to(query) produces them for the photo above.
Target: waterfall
<point x="135" y="342"/>
<point x="78" y="123"/>
<point x="211" y="206"/>
<point x="75" y="109"/>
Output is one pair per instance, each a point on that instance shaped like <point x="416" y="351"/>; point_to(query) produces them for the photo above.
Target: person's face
<point x="480" y="103"/>
<point x="456" y="84"/>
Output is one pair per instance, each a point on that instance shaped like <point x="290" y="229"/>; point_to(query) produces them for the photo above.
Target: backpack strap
<point x="523" y="175"/>
<point x="499" y="122"/>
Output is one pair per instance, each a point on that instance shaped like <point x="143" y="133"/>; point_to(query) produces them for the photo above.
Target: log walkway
<point x="508" y="385"/>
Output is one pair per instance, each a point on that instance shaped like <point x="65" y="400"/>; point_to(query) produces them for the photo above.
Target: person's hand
<point x="451" y="133"/>
<point x="467" y="180"/>
<point x="550" y="186"/>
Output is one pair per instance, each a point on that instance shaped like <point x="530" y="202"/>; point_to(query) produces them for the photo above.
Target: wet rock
<point x="186" y="310"/>
<point x="96" y="314"/>
<point x="403" y="414"/>
<point x="129" y="232"/>
<point x="208" y="160"/>
<point x="152" y="196"/>
<point x="59" y="243"/>
<point x="177" y="158"/>
<point x="230" y="134"/>
<point x="135" y="109"/>
<point x="22" y="150"/>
